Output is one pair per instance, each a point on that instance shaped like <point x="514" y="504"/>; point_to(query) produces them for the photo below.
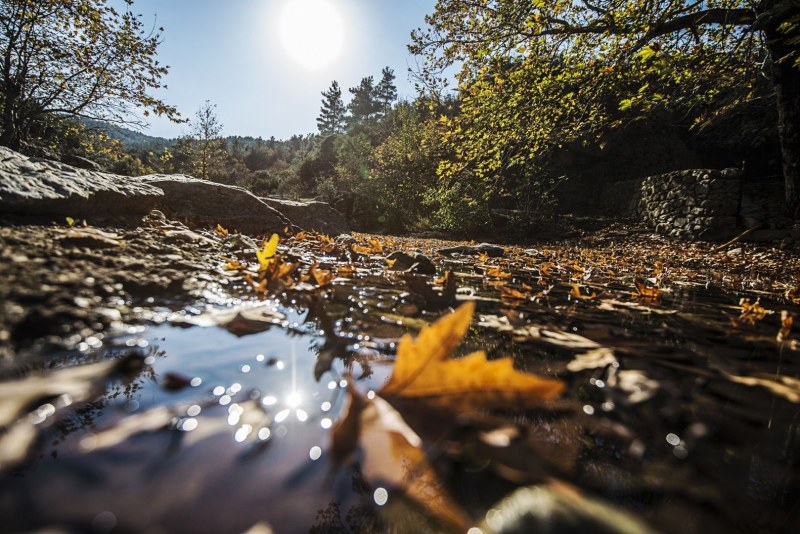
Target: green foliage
<point x="331" y="118"/>
<point x="404" y="167"/>
<point x="538" y="76"/>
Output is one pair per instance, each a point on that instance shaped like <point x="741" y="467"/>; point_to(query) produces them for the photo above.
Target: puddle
<point x="229" y="431"/>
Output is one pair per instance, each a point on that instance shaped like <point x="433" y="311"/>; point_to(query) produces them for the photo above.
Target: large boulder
<point x="34" y="186"/>
<point x="311" y="215"/>
<point x="201" y="202"/>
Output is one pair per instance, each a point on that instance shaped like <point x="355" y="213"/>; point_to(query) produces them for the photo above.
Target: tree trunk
<point x="786" y="80"/>
<point x="10" y="135"/>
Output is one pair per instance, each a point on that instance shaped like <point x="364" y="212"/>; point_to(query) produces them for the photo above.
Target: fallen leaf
<point x="576" y="293"/>
<point x="642" y="291"/>
<point x="782" y="386"/>
<point x="512" y="295"/>
<point x="434" y="298"/>
<point x="220" y="231"/>
<point x="593" y="359"/>
<point x="424" y="369"/>
<point x="266" y="255"/>
<point x="392" y="457"/>
<point x="322" y="277"/>
<point x="786" y="326"/>
<point x="498" y="272"/>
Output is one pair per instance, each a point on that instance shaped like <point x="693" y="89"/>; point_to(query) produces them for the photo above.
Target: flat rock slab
<point x="201" y="202"/>
<point x="311" y="215"/>
<point x="493" y="251"/>
<point x="34" y="186"/>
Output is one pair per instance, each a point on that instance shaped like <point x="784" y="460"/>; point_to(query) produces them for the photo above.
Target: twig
<point x="740" y="236"/>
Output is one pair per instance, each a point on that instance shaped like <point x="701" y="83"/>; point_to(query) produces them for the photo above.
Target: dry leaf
<point x="322" y="277"/>
<point x="642" y="291"/>
<point x="498" y="272"/>
<point x="220" y="231"/>
<point x="424" y="369"/>
<point x="392" y="457"/>
<point x="267" y="254"/>
<point x="751" y="312"/>
<point x="576" y="293"/>
<point x="786" y="326"/>
<point x="507" y="293"/>
<point x="782" y="386"/>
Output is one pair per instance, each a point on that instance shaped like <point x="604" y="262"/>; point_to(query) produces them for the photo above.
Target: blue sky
<point x="230" y="52"/>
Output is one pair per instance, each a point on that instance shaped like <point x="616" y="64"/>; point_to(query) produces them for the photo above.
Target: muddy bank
<point x="62" y="285"/>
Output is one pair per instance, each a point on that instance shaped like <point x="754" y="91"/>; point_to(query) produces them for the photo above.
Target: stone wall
<point x="692" y="204"/>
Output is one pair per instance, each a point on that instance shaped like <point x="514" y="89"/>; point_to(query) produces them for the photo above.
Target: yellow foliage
<point x="267" y="254"/>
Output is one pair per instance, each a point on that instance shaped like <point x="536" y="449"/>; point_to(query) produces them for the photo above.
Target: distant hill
<point x="131" y="140"/>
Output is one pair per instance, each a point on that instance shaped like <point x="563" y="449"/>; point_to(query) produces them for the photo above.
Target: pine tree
<point x="331" y="117"/>
<point x="363" y="106"/>
<point x="386" y="91"/>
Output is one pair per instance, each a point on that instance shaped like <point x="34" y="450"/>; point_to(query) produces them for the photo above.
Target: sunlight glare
<point x="311" y="32"/>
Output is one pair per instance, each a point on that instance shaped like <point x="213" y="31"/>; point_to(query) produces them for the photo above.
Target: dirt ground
<point x="62" y="285"/>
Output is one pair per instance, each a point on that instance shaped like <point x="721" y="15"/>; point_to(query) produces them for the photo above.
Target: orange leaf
<point x="786" y="325"/>
<point x="576" y="292"/>
<point x="220" y="231"/>
<point x="508" y="293"/>
<point x="498" y="272"/>
<point x="424" y="369"/>
<point x="647" y="292"/>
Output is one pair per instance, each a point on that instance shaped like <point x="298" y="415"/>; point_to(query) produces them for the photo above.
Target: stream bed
<point x="680" y="410"/>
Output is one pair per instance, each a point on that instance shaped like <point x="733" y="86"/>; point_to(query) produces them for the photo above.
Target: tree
<point x="331" y="117"/>
<point x="206" y="147"/>
<point x="385" y="91"/>
<point x="362" y="106"/>
<point x="404" y="167"/>
<point x="79" y="58"/>
<point x="538" y="74"/>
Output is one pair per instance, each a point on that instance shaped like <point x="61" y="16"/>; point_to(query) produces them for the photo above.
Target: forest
<point x="553" y="290"/>
<point x="553" y="102"/>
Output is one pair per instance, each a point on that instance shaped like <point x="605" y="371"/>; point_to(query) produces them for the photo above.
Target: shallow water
<point x="662" y="431"/>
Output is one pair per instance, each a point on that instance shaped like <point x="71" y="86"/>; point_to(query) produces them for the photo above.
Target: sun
<point x="311" y="32"/>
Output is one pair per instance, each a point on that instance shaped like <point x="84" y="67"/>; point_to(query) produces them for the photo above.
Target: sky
<point x="264" y="63"/>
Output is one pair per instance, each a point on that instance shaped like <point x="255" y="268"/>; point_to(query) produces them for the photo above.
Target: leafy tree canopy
<point x="78" y="58"/>
<point x="538" y="74"/>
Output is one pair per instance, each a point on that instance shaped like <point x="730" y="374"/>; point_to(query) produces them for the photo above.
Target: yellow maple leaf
<point x="267" y="254"/>
<point x="220" y="231"/>
<point x="424" y="369"/>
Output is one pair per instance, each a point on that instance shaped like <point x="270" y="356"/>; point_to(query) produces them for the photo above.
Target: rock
<point x="493" y="251"/>
<point x="734" y="252"/>
<point x="418" y="263"/>
<point x="205" y="203"/>
<point x="311" y="215"/>
<point x="33" y="186"/>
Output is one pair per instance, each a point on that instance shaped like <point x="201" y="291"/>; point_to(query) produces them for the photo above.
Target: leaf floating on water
<point x="424" y="369"/>
<point x="241" y="321"/>
<point x="642" y="291"/>
<point x="392" y="457"/>
<point x="594" y="359"/>
<point x="51" y="391"/>
<point x="634" y="383"/>
<point x="782" y="386"/>
<point x="558" y="508"/>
